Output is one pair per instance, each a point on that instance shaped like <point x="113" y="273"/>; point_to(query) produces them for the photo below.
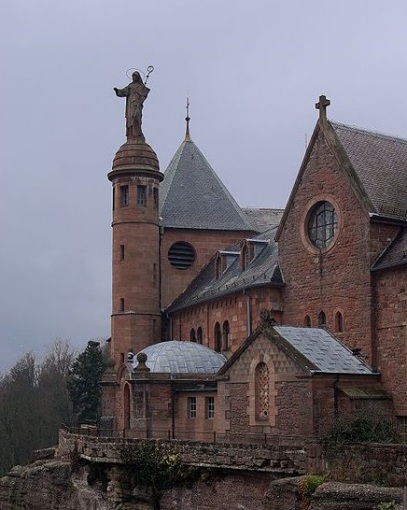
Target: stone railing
<point x="286" y="461"/>
<point x="365" y="462"/>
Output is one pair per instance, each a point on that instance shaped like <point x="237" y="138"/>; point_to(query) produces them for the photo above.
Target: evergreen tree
<point x="84" y="383"/>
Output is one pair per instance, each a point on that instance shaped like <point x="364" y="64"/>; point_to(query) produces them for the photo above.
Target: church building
<point x="244" y="323"/>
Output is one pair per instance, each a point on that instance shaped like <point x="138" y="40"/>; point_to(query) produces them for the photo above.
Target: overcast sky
<point x="253" y="72"/>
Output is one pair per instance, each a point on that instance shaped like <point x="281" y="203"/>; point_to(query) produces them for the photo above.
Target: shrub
<point x="308" y="485"/>
<point x="362" y="429"/>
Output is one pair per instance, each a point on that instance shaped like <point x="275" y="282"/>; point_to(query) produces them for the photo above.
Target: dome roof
<point x="135" y="156"/>
<point x="182" y="357"/>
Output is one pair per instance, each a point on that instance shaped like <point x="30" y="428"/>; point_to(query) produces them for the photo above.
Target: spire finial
<point x="322" y="106"/>
<point x="187" y="118"/>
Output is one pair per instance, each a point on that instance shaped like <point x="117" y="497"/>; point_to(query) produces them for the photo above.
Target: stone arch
<point x="226" y="336"/>
<point x="322" y="319"/>
<point x="126" y="406"/>
<point x="218" y="338"/>
<point x="262" y="390"/>
<point x="338" y="322"/>
<point x="262" y="364"/>
<point x="199" y="335"/>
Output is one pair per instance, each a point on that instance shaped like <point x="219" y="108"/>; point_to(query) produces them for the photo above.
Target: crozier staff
<point x="135" y="93"/>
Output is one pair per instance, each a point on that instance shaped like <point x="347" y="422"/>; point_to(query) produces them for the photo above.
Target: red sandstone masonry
<point x="205" y="244"/>
<point x="338" y="279"/>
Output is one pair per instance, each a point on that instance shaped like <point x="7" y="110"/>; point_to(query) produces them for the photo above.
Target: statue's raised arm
<point x="135" y="93"/>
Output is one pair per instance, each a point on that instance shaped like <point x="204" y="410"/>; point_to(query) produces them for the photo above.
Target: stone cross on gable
<point x="322" y="105"/>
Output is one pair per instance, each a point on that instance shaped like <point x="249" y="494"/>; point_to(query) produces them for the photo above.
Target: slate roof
<point x="395" y="254"/>
<point x="193" y="197"/>
<point x="263" y="219"/>
<point x="262" y="270"/>
<point x="380" y="163"/>
<point x="323" y="350"/>
<point x="180" y="357"/>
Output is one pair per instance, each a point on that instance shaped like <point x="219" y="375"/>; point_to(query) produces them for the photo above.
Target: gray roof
<point x="325" y="352"/>
<point x="396" y="253"/>
<point x="380" y="163"/>
<point x="262" y="218"/>
<point x="180" y="357"/>
<point x="193" y="196"/>
<point x="262" y="270"/>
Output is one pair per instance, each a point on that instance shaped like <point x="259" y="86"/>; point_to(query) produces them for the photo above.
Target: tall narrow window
<point x="210" y="408"/>
<point x="155" y="197"/>
<point x="126" y="407"/>
<point x="307" y="321"/>
<point x="226" y="336"/>
<point x="322" y="319"/>
<point x="192" y="335"/>
<point x="114" y="198"/>
<point x="218" y="338"/>
<point x="122" y="252"/>
<point x="199" y="335"/>
<point x="338" y="322"/>
<point x="262" y="390"/>
<point x="141" y="196"/>
<point x="124" y="192"/>
<point x="192" y="407"/>
<point x="122" y="304"/>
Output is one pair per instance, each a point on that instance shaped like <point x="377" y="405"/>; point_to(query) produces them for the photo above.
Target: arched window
<point x="218" y="338"/>
<point x="322" y="319"/>
<point x="307" y="321"/>
<point x="199" y="335"/>
<point x="192" y="336"/>
<point x="338" y="322"/>
<point x="262" y="390"/>
<point x="226" y="336"/>
<point x="126" y="407"/>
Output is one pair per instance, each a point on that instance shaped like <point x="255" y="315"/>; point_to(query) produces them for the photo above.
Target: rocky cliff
<point x="51" y="485"/>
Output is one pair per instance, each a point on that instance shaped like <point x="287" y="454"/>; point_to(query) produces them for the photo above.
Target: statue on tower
<point x="135" y="93"/>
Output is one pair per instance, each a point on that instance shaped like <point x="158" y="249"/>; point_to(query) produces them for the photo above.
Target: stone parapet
<point x="287" y="461"/>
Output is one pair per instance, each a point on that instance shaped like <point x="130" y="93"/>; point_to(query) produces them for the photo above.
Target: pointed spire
<point x="187" y="118"/>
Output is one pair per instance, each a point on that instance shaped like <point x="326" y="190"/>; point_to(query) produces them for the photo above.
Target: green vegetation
<point x="34" y="402"/>
<point x="84" y="383"/>
<point x="389" y="505"/>
<point x="156" y="466"/>
<point x="307" y="486"/>
<point x="361" y="429"/>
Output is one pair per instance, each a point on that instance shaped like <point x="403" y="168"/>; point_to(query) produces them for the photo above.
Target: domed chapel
<point x="240" y="323"/>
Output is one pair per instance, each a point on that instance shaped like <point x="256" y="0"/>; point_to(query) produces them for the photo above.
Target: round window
<point x="322" y="224"/>
<point x="181" y="255"/>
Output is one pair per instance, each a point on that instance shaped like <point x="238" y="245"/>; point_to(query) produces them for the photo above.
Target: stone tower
<point x="135" y="177"/>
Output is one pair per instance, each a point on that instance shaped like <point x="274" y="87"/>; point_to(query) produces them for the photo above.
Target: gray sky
<point x="253" y="72"/>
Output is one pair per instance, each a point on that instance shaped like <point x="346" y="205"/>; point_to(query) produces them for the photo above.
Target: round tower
<point x="135" y="177"/>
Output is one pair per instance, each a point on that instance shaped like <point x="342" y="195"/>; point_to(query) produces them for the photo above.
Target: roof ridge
<point x="368" y="132"/>
<point x="190" y="179"/>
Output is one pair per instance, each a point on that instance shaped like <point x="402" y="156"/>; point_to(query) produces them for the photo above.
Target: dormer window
<point x="251" y="248"/>
<point x="224" y="259"/>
